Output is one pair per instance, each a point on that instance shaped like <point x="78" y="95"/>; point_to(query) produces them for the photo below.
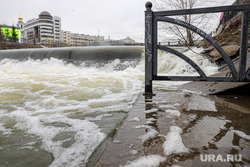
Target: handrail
<point x="151" y="45"/>
<point x="204" y="10"/>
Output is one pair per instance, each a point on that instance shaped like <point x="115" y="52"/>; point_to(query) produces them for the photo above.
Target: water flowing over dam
<point x="57" y="106"/>
<point x="76" y="53"/>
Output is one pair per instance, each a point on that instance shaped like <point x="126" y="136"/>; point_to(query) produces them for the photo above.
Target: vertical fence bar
<point x="243" y="45"/>
<point x="148" y="48"/>
<point x="155" y="49"/>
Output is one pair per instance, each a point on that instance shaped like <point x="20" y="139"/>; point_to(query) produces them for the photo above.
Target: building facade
<point x="10" y="33"/>
<point x="44" y="30"/>
<point x="20" y="23"/>
<point x="76" y="39"/>
<point x="126" y="41"/>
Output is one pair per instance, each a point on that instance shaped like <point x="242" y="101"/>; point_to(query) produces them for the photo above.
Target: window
<point x="46" y="29"/>
<point x="46" y="21"/>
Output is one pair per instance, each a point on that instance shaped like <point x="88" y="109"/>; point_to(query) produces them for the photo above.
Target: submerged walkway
<point x="175" y="127"/>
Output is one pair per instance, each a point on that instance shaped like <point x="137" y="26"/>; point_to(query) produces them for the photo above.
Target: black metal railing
<point x="231" y="14"/>
<point x="151" y="45"/>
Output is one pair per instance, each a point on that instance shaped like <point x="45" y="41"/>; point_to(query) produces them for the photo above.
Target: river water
<point x="57" y="113"/>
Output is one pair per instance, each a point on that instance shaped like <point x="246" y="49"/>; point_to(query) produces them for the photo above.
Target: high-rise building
<point x="45" y="29"/>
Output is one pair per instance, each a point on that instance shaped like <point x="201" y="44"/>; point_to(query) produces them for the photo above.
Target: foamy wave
<point x="58" y="103"/>
<point x="172" y="65"/>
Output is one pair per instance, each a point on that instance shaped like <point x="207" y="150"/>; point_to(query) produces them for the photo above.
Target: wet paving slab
<point x="182" y="128"/>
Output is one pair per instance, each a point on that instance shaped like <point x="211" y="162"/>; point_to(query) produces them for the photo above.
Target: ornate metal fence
<point x="151" y="45"/>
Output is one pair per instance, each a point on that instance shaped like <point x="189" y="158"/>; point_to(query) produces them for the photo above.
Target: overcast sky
<point x="115" y="18"/>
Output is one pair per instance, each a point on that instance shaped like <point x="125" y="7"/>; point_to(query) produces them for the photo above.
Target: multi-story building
<point x="126" y="41"/>
<point x="77" y="39"/>
<point x="10" y="33"/>
<point x="43" y="30"/>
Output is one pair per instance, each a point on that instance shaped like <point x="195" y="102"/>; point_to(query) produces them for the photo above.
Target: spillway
<point x="76" y="53"/>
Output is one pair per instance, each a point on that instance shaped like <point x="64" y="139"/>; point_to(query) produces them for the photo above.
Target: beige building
<point x="76" y="39"/>
<point x="128" y="40"/>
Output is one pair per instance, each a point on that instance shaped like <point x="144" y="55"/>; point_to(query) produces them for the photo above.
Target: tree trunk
<point x="189" y="38"/>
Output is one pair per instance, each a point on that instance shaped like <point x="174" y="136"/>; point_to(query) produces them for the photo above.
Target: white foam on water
<point x="177" y="104"/>
<point x="86" y="136"/>
<point x="151" y="133"/>
<point x="135" y="119"/>
<point x="4" y="130"/>
<point x="150" y="120"/>
<point x="42" y="95"/>
<point x="242" y="134"/>
<point x="146" y="161"/>
<point x="173" y="112"/>
<point x="134" y="152"/>
<point x="46" y="97"/>
<point x="172" y="65"/>
<point x="228" y="121"/>
<point x="151" y="110"/>
<point x="198" y="102"/>
<point x="192" y="116"/>
<point x="99" y="117"/>
<point x="173" y="142"/>
<point x="142" y="126"/>
<point x="167" y="106"/>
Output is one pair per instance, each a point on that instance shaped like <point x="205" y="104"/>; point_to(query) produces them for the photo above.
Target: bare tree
<point x="14" y="36"/>
<point x="201" y="20"/>
<point x="1" y="35"/>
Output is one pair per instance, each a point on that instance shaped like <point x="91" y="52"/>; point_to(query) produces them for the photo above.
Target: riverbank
<point x="11" y="45"/>
<point x="229" y="37"/>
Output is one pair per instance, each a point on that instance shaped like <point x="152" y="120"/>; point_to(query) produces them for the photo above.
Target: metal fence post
<point x="243" y="45"/>
<point x="148" y="48"/>
<point x="155" y="49"/>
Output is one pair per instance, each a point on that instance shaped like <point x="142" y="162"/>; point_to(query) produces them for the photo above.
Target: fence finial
<point x="148" y="6"/>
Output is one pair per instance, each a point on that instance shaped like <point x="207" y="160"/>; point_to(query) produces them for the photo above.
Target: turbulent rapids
<point x="58" y="105"/>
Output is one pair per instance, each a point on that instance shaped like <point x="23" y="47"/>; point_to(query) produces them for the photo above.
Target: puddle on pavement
<point x="182" y="128"/>
<point x="215" y="130"/>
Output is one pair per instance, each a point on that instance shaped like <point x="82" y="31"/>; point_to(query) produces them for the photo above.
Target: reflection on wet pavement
<point x="183" y="128"/>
